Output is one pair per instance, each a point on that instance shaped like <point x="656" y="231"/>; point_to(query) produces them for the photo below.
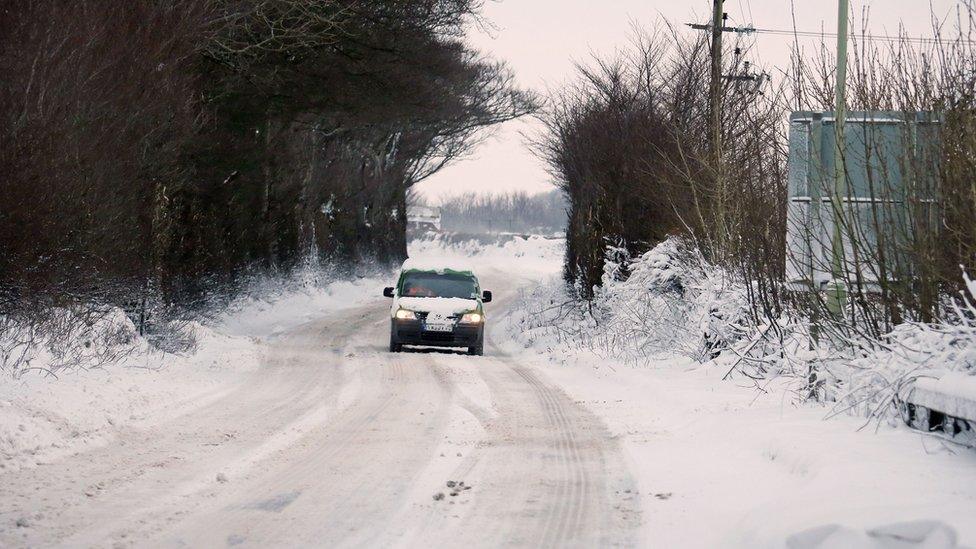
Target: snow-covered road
<point x="336" y="442"/>
<point x="320" y="437"/>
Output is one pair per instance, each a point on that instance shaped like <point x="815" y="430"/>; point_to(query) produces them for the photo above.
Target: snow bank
<point x="117" y="380"/>
<point x="929" y="534"/>
<point x="669" y="304"/>
<point x="45" y="417"/>
<point x="753" y="466"/>
<point x="272" y="308"/>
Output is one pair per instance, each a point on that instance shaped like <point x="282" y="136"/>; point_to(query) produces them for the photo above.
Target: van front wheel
<point x="479" y="348"/>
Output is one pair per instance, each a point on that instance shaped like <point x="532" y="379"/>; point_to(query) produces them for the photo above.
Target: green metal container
<point x="890" y="202"/>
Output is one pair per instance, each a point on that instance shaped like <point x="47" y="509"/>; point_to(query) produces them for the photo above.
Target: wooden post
<point x="715" y="115"/>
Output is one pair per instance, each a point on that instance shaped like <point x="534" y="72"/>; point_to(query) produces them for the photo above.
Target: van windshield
<point x="438" y="285"/>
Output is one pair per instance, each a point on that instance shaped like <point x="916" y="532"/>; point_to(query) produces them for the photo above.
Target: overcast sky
<point x="540" y="39"/>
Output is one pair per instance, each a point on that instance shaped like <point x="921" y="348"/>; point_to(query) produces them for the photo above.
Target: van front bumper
<point x="411" y="332"/>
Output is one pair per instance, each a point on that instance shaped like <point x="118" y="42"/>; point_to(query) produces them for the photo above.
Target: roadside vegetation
<point x="628" y="143"/>
<point x="158" y="153"/>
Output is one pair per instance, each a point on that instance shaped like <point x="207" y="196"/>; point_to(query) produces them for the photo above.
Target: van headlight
<point x="472" y="318"/>
<point x="403" y="314"/>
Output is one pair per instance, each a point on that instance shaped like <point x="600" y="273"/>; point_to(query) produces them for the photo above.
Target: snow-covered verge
<point x="670" y="302"/>
<point x="871" y="377"/>
<point x="273" y="306"/>
<point x="115" y="379"/>
<point x="749" y="454"/>
<point x="719" y="464"/>
<point x="43" y="417"/>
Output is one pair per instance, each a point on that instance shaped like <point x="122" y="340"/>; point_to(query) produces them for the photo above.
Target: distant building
<point x="423" y="218"/>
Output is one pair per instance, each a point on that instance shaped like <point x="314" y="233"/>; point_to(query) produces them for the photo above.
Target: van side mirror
<point x="485" y="296"/>
<point x="388" y="292"/>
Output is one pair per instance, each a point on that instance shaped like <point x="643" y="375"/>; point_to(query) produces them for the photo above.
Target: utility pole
<point x="715" y="83"/>
<point x="715" y="110"/>
<point x="715" y="113"/>
<point x="837" y="292"/>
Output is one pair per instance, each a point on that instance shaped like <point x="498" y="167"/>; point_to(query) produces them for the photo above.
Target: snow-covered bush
<point x="667" y="301"/>
<point x="857" y="373"/>
<point x="880" y="375"/>
<point x="670" y="301"/>
<point x="51" y="340"/>
<point x="61" y="339"/>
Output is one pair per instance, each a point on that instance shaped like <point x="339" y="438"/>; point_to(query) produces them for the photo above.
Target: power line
<point x="869" y="37"/>
<point x="743" y="10"/>
<point x="812" y="34"/>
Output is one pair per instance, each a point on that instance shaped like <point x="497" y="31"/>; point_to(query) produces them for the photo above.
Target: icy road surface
<point x="336" y="442"/>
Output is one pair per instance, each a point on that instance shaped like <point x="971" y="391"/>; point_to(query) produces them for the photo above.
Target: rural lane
<point x="336" y="442"/>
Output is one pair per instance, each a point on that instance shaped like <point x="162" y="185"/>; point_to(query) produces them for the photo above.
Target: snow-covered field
<point x="291" y="425"/>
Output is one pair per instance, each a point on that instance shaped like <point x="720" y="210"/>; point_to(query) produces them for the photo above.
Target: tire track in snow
<point x="566" y="518"/>
<point x="350" y="503"/>
<point x="265" y="405"/>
